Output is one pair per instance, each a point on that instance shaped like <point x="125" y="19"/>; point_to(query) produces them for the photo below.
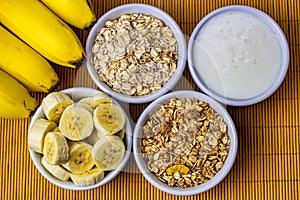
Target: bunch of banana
<point x="79" y="140"/>
<point x="43" y="29"/>
<point x="25" y="64"/>
<point x="40" y="28"/>
<point x="15" y="101"/>
<point x="78" y="13"/>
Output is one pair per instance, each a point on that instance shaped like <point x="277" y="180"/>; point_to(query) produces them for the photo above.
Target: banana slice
<point x="97" y="99"/>
<point x="76" y="123"/>
<point x="100" y="134"/>
<point x="56" y="150"/>
<point x="54" y="104"/>
<point x="86" y="106"/>
<point x="37" y="133"/>
<point x="80" y="160"/>
<point x="120" y="134"/>
<point x="93" y="138"/>
<point x="101" y="98"/>
<point x="56" y="170"/>
<point x="86" y="100"/>
<point x="109" y="118"/>
<point x="97" y="135"/>
<point x="56" y="129"/>
<point x="108" y="152"/>
<point x="91" y="177"/>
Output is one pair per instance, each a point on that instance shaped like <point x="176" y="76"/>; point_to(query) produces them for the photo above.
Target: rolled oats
<point x="185" y="142"/>
<point x="135" y="54"/>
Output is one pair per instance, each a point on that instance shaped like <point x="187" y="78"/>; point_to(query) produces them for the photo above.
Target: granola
<point x="185" y="142"/>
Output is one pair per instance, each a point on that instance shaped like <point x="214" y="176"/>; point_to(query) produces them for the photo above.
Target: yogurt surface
<point x="237" y="55"/>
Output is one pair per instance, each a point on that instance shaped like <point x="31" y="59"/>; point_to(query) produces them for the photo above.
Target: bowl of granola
<point x="185" y="143"/>
<point x="136" y="53"/>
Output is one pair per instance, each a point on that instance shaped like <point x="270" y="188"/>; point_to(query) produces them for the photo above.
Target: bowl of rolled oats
<point x="136" y="53"/>
<point x="185" y="143"/>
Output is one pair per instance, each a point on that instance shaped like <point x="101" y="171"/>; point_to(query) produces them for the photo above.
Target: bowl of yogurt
<point x="238" y="55"/>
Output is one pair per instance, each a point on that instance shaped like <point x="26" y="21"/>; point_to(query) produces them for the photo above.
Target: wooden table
<point x="267" y="165"/>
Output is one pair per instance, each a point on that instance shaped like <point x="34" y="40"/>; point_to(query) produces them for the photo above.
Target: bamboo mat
<point x="267" y="165"/>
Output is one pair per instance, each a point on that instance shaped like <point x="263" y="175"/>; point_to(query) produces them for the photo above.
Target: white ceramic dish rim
<point x="68" y="184"/>
<point x="146" y="9"/>
<point x="205" y="186"/>
<point x="284" y="52"/>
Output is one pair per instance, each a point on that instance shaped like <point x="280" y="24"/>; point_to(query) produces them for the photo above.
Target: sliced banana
<point x="80" y="160"/>
<point x="86" y="106"/>
<point x="93" y="138"/>
<point x="109" y="118"/>
<point x="101" y="98"/>
<point x="76" y="123"/>
<point x="56" y="129"/>
<point x="56" y="170"/>
<point x="37" y="133"/>
<point x="90" y="177"/>
<point x="99" y="133"/>
<point x="108" y="152"/>
<point x="56" y="150"/>
<point x="97" y="99"/>
<point x="86" y="100"/>
<point x="67" y="146"/>
<point x="54" y="104"/>
<point x="120" y="134"/>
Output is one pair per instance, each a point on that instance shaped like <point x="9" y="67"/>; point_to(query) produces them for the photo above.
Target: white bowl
<point x="145" y="9"/>
<point x="76" y="94"/>
<point x="138" y="135"/>
<point x="280" y="75"/>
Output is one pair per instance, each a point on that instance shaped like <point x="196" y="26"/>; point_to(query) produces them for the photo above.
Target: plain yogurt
<point x="237" y="55"/>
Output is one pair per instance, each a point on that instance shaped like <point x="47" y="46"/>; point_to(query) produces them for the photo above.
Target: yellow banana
<point x="40" y="28"/>
<point x="25" y="64"/>
<point x="78" y="13"/>
<point x="15" y="101"/>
